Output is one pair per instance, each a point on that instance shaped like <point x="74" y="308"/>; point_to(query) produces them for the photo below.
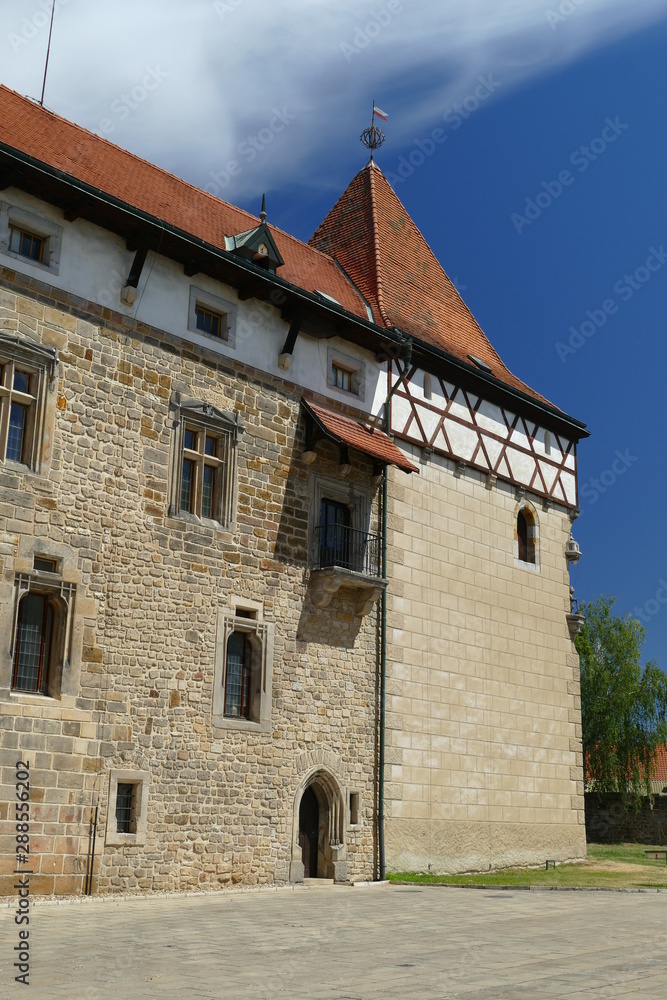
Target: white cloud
<point x="187" y="85"/>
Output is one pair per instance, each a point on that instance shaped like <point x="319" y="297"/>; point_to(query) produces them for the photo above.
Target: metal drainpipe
<point x="383" y="624"/>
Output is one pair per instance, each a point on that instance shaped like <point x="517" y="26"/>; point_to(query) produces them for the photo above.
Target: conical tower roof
<point x="371" y="235"/>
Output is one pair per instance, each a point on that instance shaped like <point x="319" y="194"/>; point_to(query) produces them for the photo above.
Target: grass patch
<point x="607" y="866"/>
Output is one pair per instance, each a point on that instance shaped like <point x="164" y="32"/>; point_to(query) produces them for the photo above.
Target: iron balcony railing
<point x="347" y="548"/>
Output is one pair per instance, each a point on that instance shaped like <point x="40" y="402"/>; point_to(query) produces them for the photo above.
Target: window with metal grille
<point x="125" y="807"/>
<point x="238" y="675"/>
<point x="26" y="244"/>
<point x="34" y="644"/>
<point x="208" y="321"/>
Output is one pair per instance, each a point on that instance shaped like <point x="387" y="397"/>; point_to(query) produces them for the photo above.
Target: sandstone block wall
<point x="148" y="591"/>
<point x="483" y="714"/>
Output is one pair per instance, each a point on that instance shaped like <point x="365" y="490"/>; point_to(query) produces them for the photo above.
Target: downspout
<point x="383" y="619"/>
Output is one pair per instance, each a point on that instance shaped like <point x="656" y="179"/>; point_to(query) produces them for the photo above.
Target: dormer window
<point x="256" y="245"/>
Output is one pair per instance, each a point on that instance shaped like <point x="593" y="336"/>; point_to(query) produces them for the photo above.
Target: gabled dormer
<point x="257" y="245"/>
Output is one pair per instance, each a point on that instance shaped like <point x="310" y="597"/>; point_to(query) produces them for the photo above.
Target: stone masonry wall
<point x="149" y="587"/>
<point x="483" y="713"/>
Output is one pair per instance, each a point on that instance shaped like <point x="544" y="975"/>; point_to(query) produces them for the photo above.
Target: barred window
<point x="127" y="811"/>
<point x="42" y="629"/>
<point x="238" y="677"/>
<point x="34" y="644"/>
<point x="125" y="807"/>
<point x="243" y="670"/>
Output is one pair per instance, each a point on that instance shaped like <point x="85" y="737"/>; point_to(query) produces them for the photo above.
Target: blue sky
<point x="568" y="126"/>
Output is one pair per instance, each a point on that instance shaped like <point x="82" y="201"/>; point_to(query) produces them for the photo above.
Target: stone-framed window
<point x="211" y="316"/>
<point x="41" y="639"/>
<point x="203" y="465"/>
<point x="127" y="810"/>
<point x="27" y="369"/>
<point x="526" y="536"/>
<point x="344" y="373"/>
<point x="29" y="237"/>
<point x="243" y="669"/>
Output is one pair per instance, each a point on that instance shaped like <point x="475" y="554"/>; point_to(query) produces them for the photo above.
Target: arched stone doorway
<point x="318" y="847"/>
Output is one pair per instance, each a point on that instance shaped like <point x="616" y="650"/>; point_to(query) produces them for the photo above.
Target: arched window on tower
<point x="525" y="533"/>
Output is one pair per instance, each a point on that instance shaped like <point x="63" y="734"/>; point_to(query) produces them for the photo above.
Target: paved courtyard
<point x="348" y="944"/>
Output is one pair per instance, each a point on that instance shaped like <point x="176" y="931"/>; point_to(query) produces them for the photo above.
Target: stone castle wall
<point x="149" y="589"/>
<point x="483" y="711"/>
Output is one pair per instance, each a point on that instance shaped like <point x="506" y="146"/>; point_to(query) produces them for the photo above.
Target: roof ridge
<point x="252" y="220"/>
<point x="376" y="244"/>
<point x="441" y="268"/>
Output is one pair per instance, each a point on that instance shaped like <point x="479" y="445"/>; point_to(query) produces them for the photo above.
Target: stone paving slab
<point x="339" y="944"/>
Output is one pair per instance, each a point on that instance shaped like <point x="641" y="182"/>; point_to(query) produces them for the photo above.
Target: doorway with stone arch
<point x="318" y="846"/>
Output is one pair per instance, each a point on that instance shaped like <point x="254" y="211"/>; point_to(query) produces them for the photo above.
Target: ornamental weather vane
<point x="372" y="137"/>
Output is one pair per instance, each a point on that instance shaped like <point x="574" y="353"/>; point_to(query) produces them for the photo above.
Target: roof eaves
<point x="267" y="278"/>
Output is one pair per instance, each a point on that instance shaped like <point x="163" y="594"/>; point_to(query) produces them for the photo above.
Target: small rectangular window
<point x="208" y="321"/>
<point x="125" y="807"/>
<point x="44" y="565"/>
<point x="342" y="378"/>
<point x="354" y="808"/>
<point x="26" y="244"/>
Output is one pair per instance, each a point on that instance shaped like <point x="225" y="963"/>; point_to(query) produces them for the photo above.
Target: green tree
<point x="623" y="706"/>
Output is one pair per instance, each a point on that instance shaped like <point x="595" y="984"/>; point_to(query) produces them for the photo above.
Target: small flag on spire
<point x="381" y="114"/>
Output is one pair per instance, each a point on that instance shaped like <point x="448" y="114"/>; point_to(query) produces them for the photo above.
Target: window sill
<point x="530" y="567"/>
<point x="125" y="840"/>
<point x="241" y="725"/>
<point x="51" y="268"/>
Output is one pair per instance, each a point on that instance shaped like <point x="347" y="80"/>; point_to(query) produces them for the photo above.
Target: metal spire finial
<point x="262" y="214"/>
<point x="372" y="137"/>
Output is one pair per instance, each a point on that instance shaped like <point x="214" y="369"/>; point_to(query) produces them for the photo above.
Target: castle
<point x="284" y="544"/>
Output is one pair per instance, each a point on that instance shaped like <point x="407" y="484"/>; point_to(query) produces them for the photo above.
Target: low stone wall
<point x="607" y="822"/>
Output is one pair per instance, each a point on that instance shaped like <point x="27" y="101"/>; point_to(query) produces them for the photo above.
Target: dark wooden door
<point x="309" y="821"/>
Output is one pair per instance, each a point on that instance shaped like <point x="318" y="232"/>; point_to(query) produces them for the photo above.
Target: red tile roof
<point x="368" y="231"/>
<point x="353" y="433"/>
<point x="96" y="161"/>
<point x="372" y="236"/>
<point x="659" y="769"/>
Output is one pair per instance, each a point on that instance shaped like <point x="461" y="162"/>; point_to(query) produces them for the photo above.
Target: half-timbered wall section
<point x="461" y="425"/>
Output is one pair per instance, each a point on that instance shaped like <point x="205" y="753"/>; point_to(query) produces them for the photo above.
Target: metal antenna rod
<point x="48" y="50"/>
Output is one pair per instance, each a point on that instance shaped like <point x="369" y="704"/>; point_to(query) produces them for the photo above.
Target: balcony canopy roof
<point x="355" y="434"/>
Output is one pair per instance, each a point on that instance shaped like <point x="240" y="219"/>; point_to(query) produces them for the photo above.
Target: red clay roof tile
<point x="368" y="231"/>
<point x="351" y="432"/>
<point x="374" y="239"/>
